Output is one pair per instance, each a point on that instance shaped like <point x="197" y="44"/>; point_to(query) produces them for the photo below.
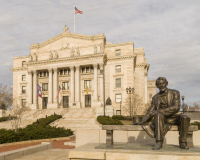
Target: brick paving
<point x="55" y="144"/>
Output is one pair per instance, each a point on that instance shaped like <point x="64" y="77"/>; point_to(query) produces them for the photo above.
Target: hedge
<point x="48" y="120"/>
<point x="6" y="118"/>
<point x="108" y="120"/>
<point x="118" y="117"/>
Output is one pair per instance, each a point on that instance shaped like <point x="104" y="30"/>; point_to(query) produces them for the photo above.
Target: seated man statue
<point x="164" y="108"/>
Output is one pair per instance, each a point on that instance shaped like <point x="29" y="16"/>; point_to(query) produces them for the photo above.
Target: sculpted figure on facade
<point x="55" y="54"/>
<point x="72" y="52"/>
<point x="30" y="58"/>
<point x="34" y="57"/>
<point x="65" y="29"/>
<point x="95" y="49"/>
<point x="77" y="51"/>
<point x="65" y="46"/>
<point x="101" y="48"/>
<point x="164" y="108"/>
<point x="50" y="55"/>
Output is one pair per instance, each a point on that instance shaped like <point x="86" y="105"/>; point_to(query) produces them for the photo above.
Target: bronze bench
<point x="110" y="128"/>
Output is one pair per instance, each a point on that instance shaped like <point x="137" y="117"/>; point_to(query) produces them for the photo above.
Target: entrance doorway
<point x="65" y="101"/>
<point x="44" y="102"/>
<point x="88" y="100"/>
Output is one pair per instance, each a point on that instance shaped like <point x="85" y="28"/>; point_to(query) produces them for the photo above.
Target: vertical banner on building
<point x="39" y="91"/>
<point x="59" y="89"/>
<point x="76" y="11"/>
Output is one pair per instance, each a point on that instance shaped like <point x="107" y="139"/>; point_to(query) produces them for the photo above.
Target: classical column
<point x="72" y="84"/>
<point x="55" y="87"/>
<point x="35" y="90"/>
<point x="77" y="84"/>
<point x="30" y="89"/>
<point x="50" y="87"/>
<point x="145" y="85"/>
<point x="95" y="82"/>
<point x="101" y="81"/>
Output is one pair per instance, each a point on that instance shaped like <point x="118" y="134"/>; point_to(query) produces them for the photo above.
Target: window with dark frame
<point x="23" y="102"/>
<point x="23" y="89"/>
<point x="118" y="98"/>
<point x="118" y="112"/>
<point x="118" y="68"/>
<point x="23" y="77"/>
<point x="118" y="52"/>
<point x="65" y="85"/>
<point x="91" y="69"/>
<point x="23" y="63"/>
<point x="87" y="69"/>
<point x="45" y="73"/>
<point x="44" y="86"/>
<point x="88" y="83"/>
<point x="65" y="72"/>
<point x="118" y="82"/>
<point x="61" y="72"/>
<point x="41" y="74"/>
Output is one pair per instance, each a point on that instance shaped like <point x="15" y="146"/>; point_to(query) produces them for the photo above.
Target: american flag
<point x="59" y="88"/>
<point x="39" y="90"/>
<point x="78" y="11"/>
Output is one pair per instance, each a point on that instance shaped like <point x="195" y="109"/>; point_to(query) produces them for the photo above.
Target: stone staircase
<point x="72" y="118"/>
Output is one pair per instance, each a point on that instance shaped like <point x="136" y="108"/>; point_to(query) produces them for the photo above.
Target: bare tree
<point x="134" y="105"/>
<point x="6" y="97"/>
<point x="17" y="113"/>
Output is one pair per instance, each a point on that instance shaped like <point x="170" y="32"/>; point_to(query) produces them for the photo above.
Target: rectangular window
<point x="88" y="83"/>
<point x="118" y="82"/>
<point x="118" y="98"/>
<point x="83" y="70"/>
<point x="23" y="89"/>
<point x="41" y="74"/>
<point x="23" y="63"/>
<point x="23" y="102"/>
<point x="91" y="69"/>
<point x="45" y="87"/>
<point x="45" y="73"/>
<point x="150" y="95"/>
<point x="65" y="85"/>
<point x="23" y="77"/>
<point x="118" y="52"/>
<point x="118" y="68"/>
<point x="69" y="71"/>
<point x="118" y="112"/>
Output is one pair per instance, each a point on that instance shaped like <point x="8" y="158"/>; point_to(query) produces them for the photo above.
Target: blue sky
<point x="169" y="32"/>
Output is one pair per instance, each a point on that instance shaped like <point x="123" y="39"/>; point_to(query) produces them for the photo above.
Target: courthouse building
<point x="76" y="64"/>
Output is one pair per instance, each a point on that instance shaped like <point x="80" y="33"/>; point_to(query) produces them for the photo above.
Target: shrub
<point x="118" y="117"/>
<point x="48" y="120"/>
<point x="6" y="118"/>
<point x="196" y="123"/>
<point x="108" y="120"/>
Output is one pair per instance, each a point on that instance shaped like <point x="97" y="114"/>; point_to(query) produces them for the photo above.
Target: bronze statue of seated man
<point x="164" y="108"/>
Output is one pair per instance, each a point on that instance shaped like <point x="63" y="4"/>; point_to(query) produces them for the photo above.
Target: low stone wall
<point x="99" y="136"/>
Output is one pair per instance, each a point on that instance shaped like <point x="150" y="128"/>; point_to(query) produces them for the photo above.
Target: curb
<point x="9" y="155"/>
<point x="38" y="140"/>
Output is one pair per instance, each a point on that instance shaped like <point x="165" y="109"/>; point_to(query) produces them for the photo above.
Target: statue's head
<point x="161" y="83"/>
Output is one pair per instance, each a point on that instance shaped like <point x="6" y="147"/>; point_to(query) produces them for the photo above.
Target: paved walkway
<point x="59" y="144"/>
<point x="51" y="154"/>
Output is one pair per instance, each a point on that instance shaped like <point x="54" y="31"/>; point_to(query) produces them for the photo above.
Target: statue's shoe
<point x="158" y="146"/>
<point x="183" y="146"/>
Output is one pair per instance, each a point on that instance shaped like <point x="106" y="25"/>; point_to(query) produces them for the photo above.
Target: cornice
<point x="142" y="65"/>
<point x="121" y="57"/>
<point x="19" y="69"/>
<point x="21" y="57"/>
<point x="119" y="44"/>
<point x="68" y="35"/>
<point x="67" y="59"/>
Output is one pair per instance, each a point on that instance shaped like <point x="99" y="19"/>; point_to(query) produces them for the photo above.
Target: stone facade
<point x="76" y="64"/>
<point x="151" y="87"/>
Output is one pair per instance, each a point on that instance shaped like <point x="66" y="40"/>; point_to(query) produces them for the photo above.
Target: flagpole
<point x="74" y="17"/>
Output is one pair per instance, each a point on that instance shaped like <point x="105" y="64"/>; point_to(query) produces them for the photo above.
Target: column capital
<point x="35" y="71"/>
<point x="30" y="72"/>
<point x="101" y="65"/>
<point x="71" y="68"/>
<point x="55" y="69"/>
<point x="77" y="67"/>
<point x="50" y="70"/>
<point x="95" y="65"/>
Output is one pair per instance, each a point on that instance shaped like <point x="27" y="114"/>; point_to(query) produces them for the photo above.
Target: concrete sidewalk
<point x="50" y="154"/>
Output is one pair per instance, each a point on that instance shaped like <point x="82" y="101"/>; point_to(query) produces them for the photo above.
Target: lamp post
<point x="130" y="91"/>
<point x="183" y="102"/>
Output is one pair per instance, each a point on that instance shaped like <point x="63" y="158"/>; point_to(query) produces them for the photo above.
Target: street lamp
<point x="130" y="91"/>
<point x="183" y="102"/>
